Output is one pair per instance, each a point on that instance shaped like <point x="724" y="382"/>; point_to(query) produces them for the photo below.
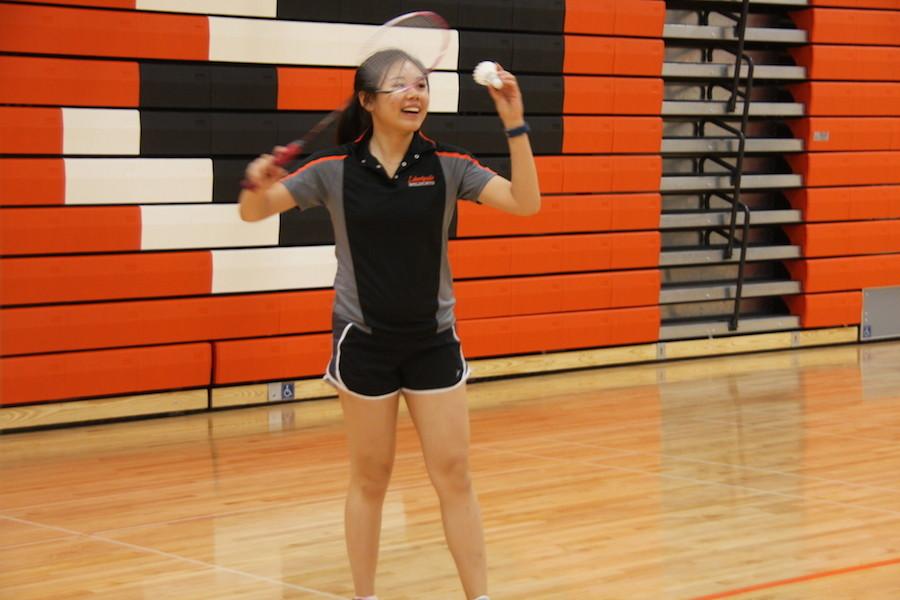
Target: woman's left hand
<point x="508" y="99"/>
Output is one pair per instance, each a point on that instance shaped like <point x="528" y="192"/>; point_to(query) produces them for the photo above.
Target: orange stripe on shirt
<point x="315" y="162"/>
<point x="466" y="157"/>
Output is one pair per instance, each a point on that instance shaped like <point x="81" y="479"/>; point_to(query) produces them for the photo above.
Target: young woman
<point x="391" y="194"/>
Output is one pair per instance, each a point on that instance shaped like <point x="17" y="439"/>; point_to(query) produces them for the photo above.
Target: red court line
<point x="800" y="579"/>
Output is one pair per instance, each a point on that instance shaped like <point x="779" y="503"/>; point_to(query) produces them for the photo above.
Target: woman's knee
<point x="371" y="477"/>
<point x="451" y="474"/>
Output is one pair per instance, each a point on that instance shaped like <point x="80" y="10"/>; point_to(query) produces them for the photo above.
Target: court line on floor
<point x="799" y="579"/>
<point x="177" y="557"/>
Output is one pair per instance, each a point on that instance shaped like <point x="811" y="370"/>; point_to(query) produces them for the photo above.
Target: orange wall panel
<point x="68" y="82"/>
<point x="827" y="310"/>
<point x="313" y="89"/>
<point x="838" y="26"/>
<point x="106" y="277"/>
<point x="28" y="379"/>
<point x="70" y="230"/>
<point x="88" y="32"/>
<point x="31" y="130"/>
<point x="847" y="203"/>
<point x="564" y="214"/>
<point x="568" y="331"/>
<point x="267" y="359"/>
<point x="849" y="273"/>
<point x="32" y="181"/>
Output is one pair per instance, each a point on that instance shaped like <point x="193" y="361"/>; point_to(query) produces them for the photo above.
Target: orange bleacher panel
<point x="564" y="214"/>
<point x="49" y="377"/>
<point x="883" y="4"/>
<point x="847" y="203"/>
<point x="611" y="135"/>
<point x="587" y="174"/>
<point x="851" y="63"/>
<point x="848" y="134"/>
<point x="97" y="3"/>
<point x="69" y="82"/>
<point x="612" y="95"/>
<point x="838" y="26"/>
<point x="827" y="310"/>
<point x="264" y="359"/>
<point x="847" y="168"/>
<point x="478" y="299"/>
<point x="70" y="230"/>
<point x="613" y="56"/>
<point x="312" y="88"/>
<point x="862" y="99"/>
<point x="848" y="273"/>
<point x="27" y="181"/>
<point x="554" y="254"/>
<point x="615" y="17"/>
<point x="31" y="130"/>
<point x="104" y="277"/>
<point x="44" y="329"/>
<point x="88" y="32"/>
<point x="554" y="332"/>
<point x="846" y="239"/>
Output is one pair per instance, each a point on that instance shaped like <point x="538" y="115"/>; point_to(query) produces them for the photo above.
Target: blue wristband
<point x="517" y="131"/>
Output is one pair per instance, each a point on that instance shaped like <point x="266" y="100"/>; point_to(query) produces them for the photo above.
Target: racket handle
<point x="282" y="156"/>
<point x="288" y="153"/>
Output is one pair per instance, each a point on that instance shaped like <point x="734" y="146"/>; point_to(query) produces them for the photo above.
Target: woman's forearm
<point x="525" y="187"/>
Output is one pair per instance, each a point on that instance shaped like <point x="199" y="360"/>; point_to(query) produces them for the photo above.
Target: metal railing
<point x="740" y="133"/>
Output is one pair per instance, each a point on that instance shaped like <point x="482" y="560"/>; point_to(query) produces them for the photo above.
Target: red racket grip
<point x="282" y="156"/>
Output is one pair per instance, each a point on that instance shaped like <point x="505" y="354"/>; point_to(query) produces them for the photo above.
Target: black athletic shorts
<point x="377" y="366"/>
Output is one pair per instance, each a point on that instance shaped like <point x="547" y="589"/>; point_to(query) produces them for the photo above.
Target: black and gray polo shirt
<point x="393" y="275"/>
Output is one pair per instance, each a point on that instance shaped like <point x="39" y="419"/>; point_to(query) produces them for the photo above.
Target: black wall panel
<point x="175" y="134"/>
<point x="542" y="94"/>
<point x="495" y="15"/>
<point x="540" y="15"/>
<point x="174" y="85"/>
<point x="475" y="47"/>
<point x="311" y="227"/>
<point x="243" y="87"/>
<point x="243" y="133"/>
<point x="533" y="53"/>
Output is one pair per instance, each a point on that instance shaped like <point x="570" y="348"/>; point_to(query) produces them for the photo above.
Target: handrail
<point x="736" y="171"/>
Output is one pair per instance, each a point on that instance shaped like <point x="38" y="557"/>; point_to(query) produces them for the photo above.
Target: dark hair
<point x="355" y="119"/>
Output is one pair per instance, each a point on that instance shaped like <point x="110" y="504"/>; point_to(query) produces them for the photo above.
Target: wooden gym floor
<point x="766" y="476"/>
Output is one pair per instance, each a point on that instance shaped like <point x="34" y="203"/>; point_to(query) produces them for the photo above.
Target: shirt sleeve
<point x="469" y="175"/>
<point x="309" y="183"/>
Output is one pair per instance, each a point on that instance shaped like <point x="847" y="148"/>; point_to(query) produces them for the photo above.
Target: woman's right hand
<point x="263" y="172"/>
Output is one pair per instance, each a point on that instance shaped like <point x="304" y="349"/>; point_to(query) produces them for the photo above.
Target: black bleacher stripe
<point x="518" y="52"/>
<point x="542" y="94"/>
<point x="227" y="176"/>
<point x="189" y="134"/>
<point x="310" y="227"/>
<point x="483" y="135"/>
<point x="173" y="85"/>
<point x="498" y="15"/>
<point x="540" y="15"/>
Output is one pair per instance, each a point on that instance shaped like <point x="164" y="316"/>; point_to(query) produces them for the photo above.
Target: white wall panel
<point x="138" y="180"/>
<point x="203" y="226"/>
<point x="101" y="131"/>
<point x="273" y="269"/>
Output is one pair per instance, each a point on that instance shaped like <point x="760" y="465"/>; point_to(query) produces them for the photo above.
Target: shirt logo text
<point x="421" y="180"/>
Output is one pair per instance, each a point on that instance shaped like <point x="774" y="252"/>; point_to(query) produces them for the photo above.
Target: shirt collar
<point x="420" y="145"/>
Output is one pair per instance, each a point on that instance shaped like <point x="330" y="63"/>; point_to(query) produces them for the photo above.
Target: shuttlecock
<point x="486" y="74"/>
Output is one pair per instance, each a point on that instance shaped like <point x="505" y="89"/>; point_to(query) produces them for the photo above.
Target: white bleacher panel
<point x="444" y="97"/>
<point x="247" y="8"/>
<point x="203" y="226"/>
<point x="312" y="44"/>
<point x="273" y="269"/>
<point x="138" y="180"/>
<point x="101" y="132"/>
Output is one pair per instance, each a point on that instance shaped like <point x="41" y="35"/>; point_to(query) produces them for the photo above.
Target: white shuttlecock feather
<point x="486" y="74"/>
